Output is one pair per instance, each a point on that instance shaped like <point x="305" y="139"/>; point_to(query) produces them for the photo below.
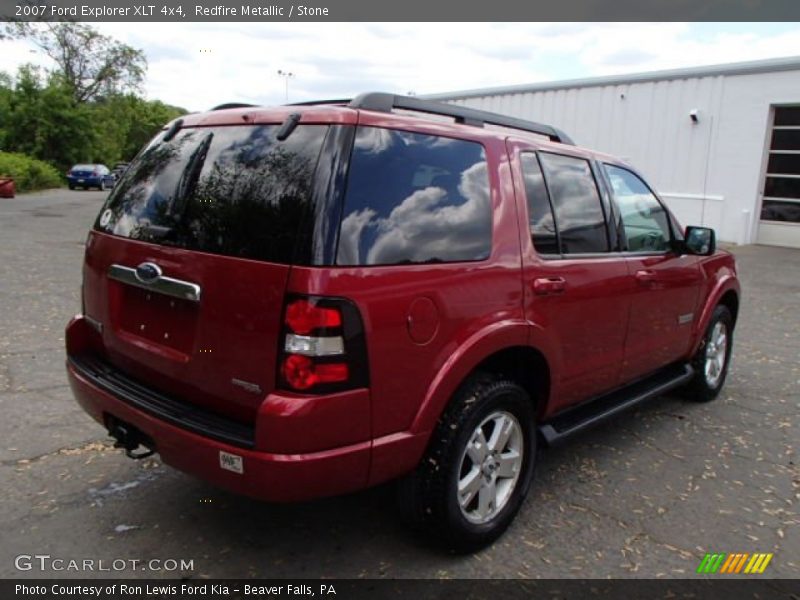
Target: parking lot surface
<point x="645" y="495"/>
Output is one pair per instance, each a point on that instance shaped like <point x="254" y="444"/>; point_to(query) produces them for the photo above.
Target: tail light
<point x="322" y="346"/>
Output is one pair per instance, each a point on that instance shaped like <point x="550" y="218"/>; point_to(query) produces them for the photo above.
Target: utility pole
<point x="286" y="77"/>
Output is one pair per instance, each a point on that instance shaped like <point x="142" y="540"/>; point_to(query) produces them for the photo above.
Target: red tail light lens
<point x="323" y="348"/>
<point x="303" y="373"/>
<point x="303" y="317"/>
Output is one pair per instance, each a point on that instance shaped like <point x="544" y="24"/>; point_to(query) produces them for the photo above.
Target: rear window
<point x="414" y="198"/>
<point x="226" y="190"/>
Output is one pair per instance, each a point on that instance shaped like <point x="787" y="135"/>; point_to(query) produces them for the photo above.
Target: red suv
<point x="308" y="300"/>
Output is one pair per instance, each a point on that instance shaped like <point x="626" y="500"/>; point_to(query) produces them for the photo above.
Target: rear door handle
<point x="646" y="277"/>
<point x="545" y="286"/>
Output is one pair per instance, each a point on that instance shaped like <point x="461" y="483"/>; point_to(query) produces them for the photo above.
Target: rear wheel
<point x="712" y="358"/>
<point x="478" y="468"/>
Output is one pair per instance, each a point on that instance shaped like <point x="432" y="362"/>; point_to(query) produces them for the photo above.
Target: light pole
<point x="286" y="76"/>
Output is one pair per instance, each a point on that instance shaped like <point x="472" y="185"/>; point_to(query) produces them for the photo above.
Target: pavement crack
<point x="655" y="447"/>
<point x="87" y="448"/>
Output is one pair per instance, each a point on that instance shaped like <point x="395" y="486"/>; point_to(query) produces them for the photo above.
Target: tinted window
<point x="576" y="201"/>
<point x="644" y="220"/>
<point x="787" y="115"/>
<point x="786" y="139"/>
<point x="227" y="190"/>
<point x="782" y="187"/>
<point x="540" y="213"/>
<point x="414" y="198"/>
<point x="773" y="210"/>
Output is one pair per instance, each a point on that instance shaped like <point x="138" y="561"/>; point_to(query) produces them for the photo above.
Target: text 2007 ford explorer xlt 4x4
<point x="308" y="300"/>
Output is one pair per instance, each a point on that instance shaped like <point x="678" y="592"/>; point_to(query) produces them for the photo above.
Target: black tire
<point x="428" y="498"/>
<point x="704" y="387"/>
<point x="72" y="187"/>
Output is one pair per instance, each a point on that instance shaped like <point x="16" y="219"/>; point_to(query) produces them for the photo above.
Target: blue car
<point x="89" y="176"/>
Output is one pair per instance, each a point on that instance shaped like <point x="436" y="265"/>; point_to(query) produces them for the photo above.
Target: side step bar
<point x="592" y="412"/>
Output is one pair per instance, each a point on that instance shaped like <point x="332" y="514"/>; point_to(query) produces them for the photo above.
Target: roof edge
<point x="787" y="63"/>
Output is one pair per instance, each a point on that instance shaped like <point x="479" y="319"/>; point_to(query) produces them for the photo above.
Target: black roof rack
<point x="383" y="102"/>
<point x="232" y="105"/>
<point x="318" y="102"/>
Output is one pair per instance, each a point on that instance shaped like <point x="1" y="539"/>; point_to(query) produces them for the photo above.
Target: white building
<point x="721" y="144"/>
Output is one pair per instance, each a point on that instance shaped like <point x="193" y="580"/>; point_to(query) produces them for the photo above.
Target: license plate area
<point x="163" y="320"/>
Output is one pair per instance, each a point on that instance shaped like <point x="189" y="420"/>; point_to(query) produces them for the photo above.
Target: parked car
<point x="303" y="301"/>
<point x="90" y="175"/>
<point x="119" y="169"/>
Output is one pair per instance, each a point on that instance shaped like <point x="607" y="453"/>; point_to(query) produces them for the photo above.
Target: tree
<point x="45" y="122"/>
<point x="91" y="64"/>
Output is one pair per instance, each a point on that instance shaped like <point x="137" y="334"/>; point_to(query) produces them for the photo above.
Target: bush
<point x="28" y="173"/>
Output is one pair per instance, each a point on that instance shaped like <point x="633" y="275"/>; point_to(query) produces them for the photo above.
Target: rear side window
<point x="576" y="202"/>
<point x="226" y="190"/>
<point x="414" y="198"/>
<point x="540" y="213"/>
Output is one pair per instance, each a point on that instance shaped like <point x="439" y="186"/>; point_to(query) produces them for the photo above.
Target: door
<point x="667" y="285"/>
<point x="574" y="281"/>
<point x="780" y="207"/>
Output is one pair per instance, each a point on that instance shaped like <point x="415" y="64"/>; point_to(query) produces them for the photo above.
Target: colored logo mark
<point x="745" y="563"/>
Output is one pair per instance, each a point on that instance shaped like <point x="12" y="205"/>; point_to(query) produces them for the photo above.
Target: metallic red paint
<point x="591" y="330"/>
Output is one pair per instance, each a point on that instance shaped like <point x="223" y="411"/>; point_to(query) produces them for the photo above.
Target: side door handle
<point x="545" y="286"/>
<point x="646" y="277"/>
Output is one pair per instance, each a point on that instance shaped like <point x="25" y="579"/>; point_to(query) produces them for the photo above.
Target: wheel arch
<point x="727" y="292"/>
<point x="505" y="351"/>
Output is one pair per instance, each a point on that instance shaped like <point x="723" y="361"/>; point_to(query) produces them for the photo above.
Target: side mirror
<point x="701" y="241"/>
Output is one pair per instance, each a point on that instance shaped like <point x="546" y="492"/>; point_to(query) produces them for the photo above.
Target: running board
<point x="590" y="413"/>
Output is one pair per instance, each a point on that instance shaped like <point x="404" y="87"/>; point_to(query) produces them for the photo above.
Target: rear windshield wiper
<point x="189" y="177"/>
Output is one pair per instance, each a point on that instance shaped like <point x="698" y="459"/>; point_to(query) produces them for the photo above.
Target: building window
<point x="782" y="182"/>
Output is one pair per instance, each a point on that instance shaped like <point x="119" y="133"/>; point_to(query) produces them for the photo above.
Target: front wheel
<point x="478" y="468"/>
<point x="712" y="358"/>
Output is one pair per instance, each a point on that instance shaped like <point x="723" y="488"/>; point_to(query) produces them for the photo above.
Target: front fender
<point x="726" y="281"/>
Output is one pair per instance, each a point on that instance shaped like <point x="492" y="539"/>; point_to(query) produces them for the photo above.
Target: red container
<point x="7" y="187"/>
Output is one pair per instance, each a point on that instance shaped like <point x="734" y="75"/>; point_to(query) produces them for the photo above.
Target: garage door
<point x="780" y="209"/>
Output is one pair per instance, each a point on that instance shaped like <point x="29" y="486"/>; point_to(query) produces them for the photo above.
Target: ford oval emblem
<point x="148" y="272"/>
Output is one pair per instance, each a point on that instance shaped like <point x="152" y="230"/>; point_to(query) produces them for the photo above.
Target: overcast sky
<point x="199" y="65"/>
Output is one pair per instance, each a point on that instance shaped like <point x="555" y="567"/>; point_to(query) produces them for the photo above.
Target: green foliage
<point x="86" y="110"/>
<point x="29" y="174"/>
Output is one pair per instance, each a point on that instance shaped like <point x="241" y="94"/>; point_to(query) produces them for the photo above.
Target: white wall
<point x="709" y="173"/>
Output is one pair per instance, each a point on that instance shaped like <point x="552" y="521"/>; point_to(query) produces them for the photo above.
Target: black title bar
<point x="407" y="10"/>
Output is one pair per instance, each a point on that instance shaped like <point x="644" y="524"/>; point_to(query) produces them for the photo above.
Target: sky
<point x="199" y="65"/>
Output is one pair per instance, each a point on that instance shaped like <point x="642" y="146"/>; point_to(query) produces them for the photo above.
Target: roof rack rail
<point x="232" y="105"/>
<point x="318" y="102"/>
<point x="383" y="102"/>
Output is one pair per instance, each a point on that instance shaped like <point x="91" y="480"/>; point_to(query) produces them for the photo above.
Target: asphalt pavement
<point x="645" y="495"/>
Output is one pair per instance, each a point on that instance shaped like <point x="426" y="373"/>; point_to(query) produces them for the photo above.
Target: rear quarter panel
<point x="410" y="382"/>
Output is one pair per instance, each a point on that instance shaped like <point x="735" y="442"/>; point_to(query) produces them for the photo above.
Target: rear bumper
<point x="280" y="465"/>
<point x="87" y="181"/>
<point x="267" y="476"/>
